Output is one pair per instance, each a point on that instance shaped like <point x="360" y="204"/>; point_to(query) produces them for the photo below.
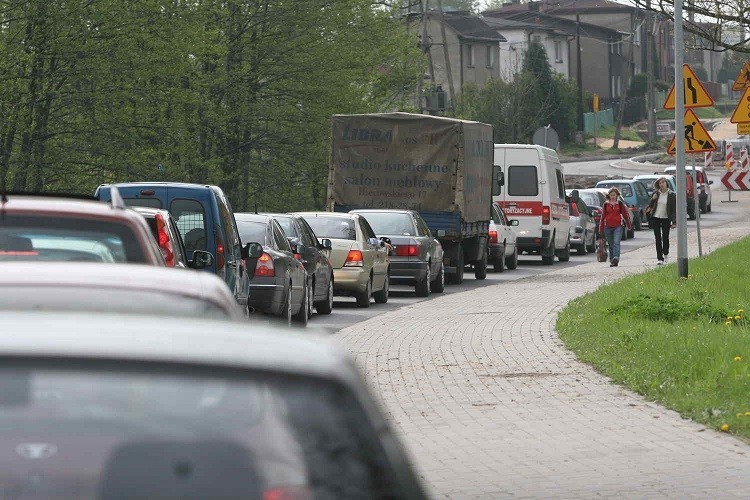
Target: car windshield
<point x="252" y="232"/>
<point x="110" y="299"/>
<point x="332" y="227"/>
<point x="116" y="430"/>
<point x="391" y="223"/>
<point x="61" y="239"/>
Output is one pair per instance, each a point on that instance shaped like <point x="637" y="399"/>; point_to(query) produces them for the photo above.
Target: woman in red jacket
<point x="613" y="213"/>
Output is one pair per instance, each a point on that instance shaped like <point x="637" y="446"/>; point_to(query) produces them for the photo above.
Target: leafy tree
<point x="711" y="20"/>
<point x="731" y="65"/>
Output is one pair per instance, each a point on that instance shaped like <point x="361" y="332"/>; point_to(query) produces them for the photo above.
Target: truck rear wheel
<point x="564" y="254"/>
<point x="548" y="255"/>
<point x="480" y="267"/>
<point x="458" y="277"/>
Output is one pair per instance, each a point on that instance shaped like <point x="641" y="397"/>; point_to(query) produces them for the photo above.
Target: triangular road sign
<point x="743" y="78"/>
<point x="697" y="139"/>
<point x="742" y="111"/>
<point x="696" y="95"/>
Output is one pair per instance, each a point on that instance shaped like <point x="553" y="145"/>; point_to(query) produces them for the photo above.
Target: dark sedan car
<point x="311" y="252"/>
<point x="416" y="256"/>
<point x="278" y="281"/>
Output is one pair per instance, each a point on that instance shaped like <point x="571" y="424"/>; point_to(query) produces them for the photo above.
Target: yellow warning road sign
<point x="743" y="78"/>
<point x="696" y="95"/>
<point x="697" y="139"/>
<point x="743" y="129"/>
<point x="742" y="111"/>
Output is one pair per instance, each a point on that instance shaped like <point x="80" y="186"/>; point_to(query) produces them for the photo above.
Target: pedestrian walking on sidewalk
<point x="614" y="212"/>
<point x="662" y="216"/>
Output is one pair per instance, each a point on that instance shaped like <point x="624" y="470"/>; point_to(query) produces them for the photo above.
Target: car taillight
<point x="545" y="215"/>
<point x="264" y="266"/>
<point x="288" y="493"/>
<point x="493" y="236"/>
<point x="221" y="258"/>
<point x="354" y="259"/>
<point x="407" y="250"/>
<point x="165" y="245"/>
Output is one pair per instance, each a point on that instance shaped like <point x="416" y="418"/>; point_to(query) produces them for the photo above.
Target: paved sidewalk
<point x="491" y="405"/>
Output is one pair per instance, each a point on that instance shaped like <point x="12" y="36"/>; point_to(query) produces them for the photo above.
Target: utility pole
<point x="579" y="77"/>
<point x="624" y="90"/>
<point x="679" y="142"/>
<point x="650" y="97"/>
<point x="446" y="55"/>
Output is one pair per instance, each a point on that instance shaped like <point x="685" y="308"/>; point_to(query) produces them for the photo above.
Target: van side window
<point x="522" y="180"/>
<point x="191" y="221"/>
<point x="560" y="184"/>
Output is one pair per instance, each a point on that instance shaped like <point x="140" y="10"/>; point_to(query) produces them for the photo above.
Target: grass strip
<point x="684" y="343"/>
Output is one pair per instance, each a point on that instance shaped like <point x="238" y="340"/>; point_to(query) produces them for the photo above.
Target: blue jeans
<point x="613" y="235"/>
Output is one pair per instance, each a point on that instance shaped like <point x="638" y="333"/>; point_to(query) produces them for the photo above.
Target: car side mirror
<point x="373" y="241"/>
<point x="293" y="242"/>
<point x="300" y="249"/>
<point x="710" y="182"/>
<point x="384" y="240"/>
<point x="202" y="259"/>
<point x="513" y="222"/>
<point x="325" y="244"/>
<point x="252" y="251"/>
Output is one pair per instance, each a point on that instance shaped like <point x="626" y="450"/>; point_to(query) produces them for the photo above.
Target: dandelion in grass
<point x="741" y="311"/>
<point x="728" y="323"/>
<point x="738" y="318"/>
<point x="738" y="358"/>
<point x="724" y="427"/>
<point x="747" y="413"/>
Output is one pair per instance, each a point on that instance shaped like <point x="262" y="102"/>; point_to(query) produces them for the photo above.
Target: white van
<point x="534" y="193"/>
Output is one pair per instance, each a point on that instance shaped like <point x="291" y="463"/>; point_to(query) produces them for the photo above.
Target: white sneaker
<point x="660" y="262"/>
<point x="666" y="259"/>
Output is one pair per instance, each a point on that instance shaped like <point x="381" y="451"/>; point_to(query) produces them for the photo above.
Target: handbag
<point x="601" y="250"/>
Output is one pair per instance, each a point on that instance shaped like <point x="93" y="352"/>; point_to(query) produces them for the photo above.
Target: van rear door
<point x="521" y="196"/>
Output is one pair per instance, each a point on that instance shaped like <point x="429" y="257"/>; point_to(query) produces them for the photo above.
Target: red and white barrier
<point x="743" y="158"/>
<point x="729" y="156"/>
<point x="736" y="180"/>
<point x="708" y="158"/>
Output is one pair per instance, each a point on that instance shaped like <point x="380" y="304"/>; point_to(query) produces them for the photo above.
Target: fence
<point x="599" y="119"/>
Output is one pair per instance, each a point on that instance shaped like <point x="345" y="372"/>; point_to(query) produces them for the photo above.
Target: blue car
<point x="205" y="220"/>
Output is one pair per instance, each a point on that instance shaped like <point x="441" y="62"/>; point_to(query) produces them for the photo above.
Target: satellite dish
<point x="547" y="137"/>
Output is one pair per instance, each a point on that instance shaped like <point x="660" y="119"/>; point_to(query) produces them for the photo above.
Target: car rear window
<point x="137" y="431"/>
<point x="252" y="232"/>
<point x="190" y="217"/>
<point x="624" y="189"/>
<point x="590" y="199"/>
<point x="391" y="223"/>
<point x="332" y="227"/>
<point x="30" y="238"/>
<point x="523" y="181"/>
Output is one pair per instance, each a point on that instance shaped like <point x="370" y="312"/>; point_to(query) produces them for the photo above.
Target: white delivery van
<point x="534" y="194"/>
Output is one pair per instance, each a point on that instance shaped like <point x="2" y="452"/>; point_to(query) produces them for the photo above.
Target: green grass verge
<point x="608" y="132"/>
<point x="684" y="343"/>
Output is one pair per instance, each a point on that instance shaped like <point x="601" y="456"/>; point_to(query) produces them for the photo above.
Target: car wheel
<point x="422" y="288"/>
<point x="512" y="261"/>
<point x="498" y="265"/>
<point x="381" y="296"/>
<point x="304" y="306"/>
<point x="363" y="297"/>
<point x="708" y="207"/>
<point x="581" y="250"/>
<point x="564" y="254"/>
<point x="548" y="255"/>
<point x="591" y="248"/>
<point x="631" y="233"/>
<point x="480" y="268"/>
<point x="438" y="286"/>
<point x="326" y="306"/>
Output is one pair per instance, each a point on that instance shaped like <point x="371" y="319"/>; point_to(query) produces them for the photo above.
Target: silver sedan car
<point x="359" y="259"/>
<point x="416" y="256"/>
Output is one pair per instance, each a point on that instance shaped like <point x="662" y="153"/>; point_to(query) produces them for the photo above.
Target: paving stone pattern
<point x="489" y="403"/>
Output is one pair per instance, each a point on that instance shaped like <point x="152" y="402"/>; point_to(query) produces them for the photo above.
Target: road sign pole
<point x="697" y="213"/>
<point x="679" y="128"/>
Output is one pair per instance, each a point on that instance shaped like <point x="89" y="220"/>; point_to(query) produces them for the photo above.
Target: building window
<point x="470" y="55"/>
<point x="558" y="52"/>
<point x="490" y="56"/>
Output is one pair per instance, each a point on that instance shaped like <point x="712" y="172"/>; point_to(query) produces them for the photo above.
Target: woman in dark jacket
<point x="662" y="212"/>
